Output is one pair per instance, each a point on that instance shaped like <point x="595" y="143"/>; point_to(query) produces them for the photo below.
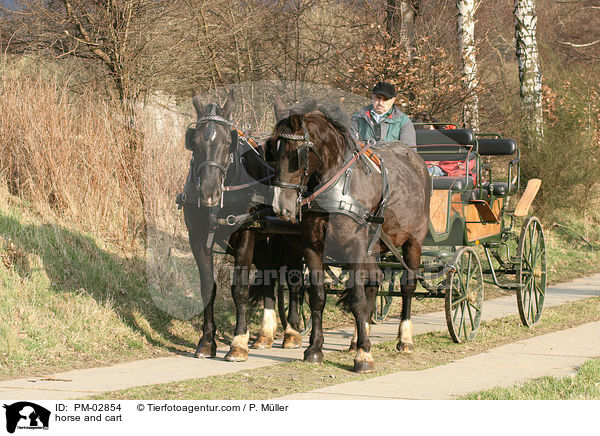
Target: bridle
<point x="305" y="148"/>
<point x="209" y="135"/>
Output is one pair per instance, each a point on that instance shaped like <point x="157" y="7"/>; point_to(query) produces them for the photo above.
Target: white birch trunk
<point x="467" y="49"/>
<point x="530" y="74"/>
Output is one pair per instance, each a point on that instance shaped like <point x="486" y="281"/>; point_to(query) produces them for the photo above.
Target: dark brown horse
<point x="340" y="198"/>
<point x="225" y="187"/>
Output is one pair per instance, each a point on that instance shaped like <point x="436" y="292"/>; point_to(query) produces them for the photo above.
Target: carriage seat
<point x="486" y="190"/>
<point x="500" y="189"/>
<point x="496" y="147"/>
<point x="452" y="183"/>
<point x="447" y="145"/>
<point x="444" y="145"/>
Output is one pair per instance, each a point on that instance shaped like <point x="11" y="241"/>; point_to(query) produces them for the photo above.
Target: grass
<point x="431" y="349"/>
<point x="583" y="385"/>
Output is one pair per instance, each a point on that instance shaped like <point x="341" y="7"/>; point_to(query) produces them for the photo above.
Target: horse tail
<point x="281" y="305"/>
<point x="256" y="294"/>
<point x="345" y="299"/>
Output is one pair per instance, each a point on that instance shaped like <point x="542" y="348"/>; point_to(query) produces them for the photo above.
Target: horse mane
<point x="332" y="113"/>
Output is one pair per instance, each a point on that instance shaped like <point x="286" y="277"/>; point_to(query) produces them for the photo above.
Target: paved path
<point x="554" y="354"/>
<point x="87" y="382"/>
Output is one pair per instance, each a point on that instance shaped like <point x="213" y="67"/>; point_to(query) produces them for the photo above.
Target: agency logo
<point x="26" y="415"/>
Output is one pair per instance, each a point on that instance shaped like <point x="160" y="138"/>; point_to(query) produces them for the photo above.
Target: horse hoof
<point x="292" y="340"/>
<point x="262" y="342"/>
<point x="313" y="357"/>
<point x="353" y="346"/>
<point x="237" y="354"/>
<point x="206" y="351"/>
<point x="364" y="366"/>
<point x="405" y="347"/>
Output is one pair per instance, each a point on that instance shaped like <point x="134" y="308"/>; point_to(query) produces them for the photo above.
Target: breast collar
<point x="338" y="199"/>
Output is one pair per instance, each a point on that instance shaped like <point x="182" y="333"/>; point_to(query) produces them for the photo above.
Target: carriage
<point x="468" y="214"/>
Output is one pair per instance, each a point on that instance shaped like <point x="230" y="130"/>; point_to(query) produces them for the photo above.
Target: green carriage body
<point x="468" y="212"/>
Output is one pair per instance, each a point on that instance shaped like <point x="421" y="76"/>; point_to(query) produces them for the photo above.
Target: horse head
<point x="210" y="139"/>
<point x="306" y="143"/>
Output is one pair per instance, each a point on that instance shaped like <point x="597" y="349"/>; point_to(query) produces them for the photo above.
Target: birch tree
<point x="530" y="75"/>
<point x="467" y="49"/>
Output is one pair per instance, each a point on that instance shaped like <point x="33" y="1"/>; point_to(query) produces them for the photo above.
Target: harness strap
<point x="335" y="178"/>
<point x="247" y="185"/>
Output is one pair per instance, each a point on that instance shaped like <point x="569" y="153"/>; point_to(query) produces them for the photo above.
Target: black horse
<point x="227" y="186"/>
<point x="340" y="199"/>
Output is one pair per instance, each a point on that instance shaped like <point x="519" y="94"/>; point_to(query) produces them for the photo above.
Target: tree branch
<point x="589" y="44"/>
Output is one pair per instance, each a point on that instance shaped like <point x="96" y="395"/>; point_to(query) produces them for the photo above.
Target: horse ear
<point x="198" y="105"/>
<point x="280" y="110"/>
<point x="229" y="104"/>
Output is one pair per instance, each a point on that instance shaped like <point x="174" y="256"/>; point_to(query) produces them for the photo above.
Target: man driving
<point x="382" y="120"/>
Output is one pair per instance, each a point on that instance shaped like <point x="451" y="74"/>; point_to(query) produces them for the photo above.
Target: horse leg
<point x="207" y="346"/>
<point x="363" y="361"/>
<point x="411" y="251"/>
<point x="264" y="262"/>
<point x="371" y="289"/>
<point x="242" y="253"/>
<point x="314" y="261"/>
<point x="292" y="337"/>
<point x="266" y="335"/>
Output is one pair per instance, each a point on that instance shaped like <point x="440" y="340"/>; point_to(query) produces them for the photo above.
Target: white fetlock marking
<point x="290" y="331"/>
<point x="269" y="323"/>
<point x="241" y="341"/>
<point x="405" y="332"/>
<point x="363" y="356"/>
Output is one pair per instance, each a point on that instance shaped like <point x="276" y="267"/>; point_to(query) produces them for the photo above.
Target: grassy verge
<point x="431" y="349"/>
<point x="584" y="385"/>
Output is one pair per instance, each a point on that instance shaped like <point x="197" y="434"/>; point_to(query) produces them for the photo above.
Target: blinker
<point x="301" y="159"/>
<point x="189" y="138"/>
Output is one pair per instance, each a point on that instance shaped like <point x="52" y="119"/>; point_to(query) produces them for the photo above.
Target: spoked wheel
<point x="532" y="272"/>
<point x="464" y="296"/>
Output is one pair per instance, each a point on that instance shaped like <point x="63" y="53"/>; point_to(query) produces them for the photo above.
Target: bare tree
<point x="400" y="23"/>
<point x="467" y="49"/>
<point x="110" y="33"/>
<point x="530" y="75"/>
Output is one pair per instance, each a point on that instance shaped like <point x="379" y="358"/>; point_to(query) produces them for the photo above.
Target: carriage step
<point x="486" y="213"/>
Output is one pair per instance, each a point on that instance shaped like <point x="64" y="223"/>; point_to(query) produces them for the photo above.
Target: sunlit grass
<point x="583" y="385"/>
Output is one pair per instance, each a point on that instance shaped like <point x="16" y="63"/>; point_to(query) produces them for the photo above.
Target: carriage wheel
<point x="464" y="296"/>
<point x="532" y="272"/>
